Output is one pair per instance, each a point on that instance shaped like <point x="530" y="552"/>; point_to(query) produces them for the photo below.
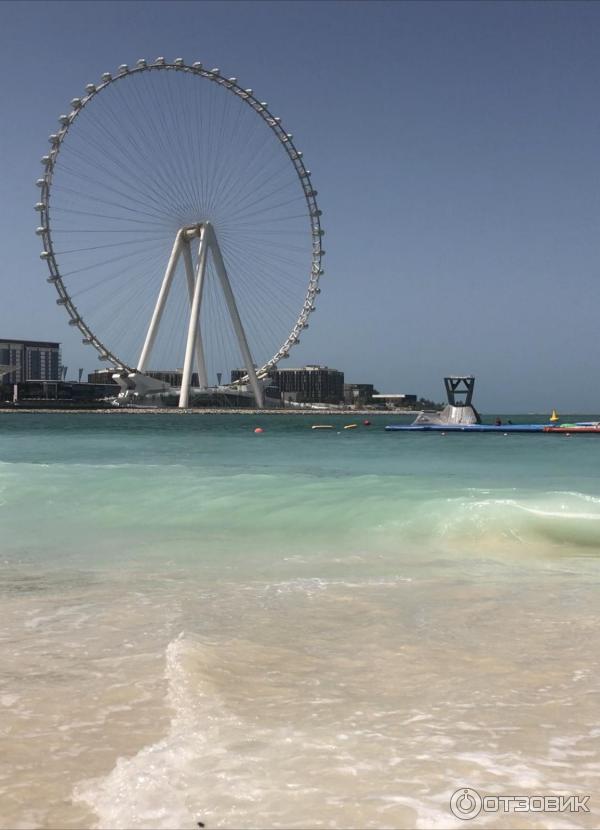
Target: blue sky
<point x="455" y="147"/>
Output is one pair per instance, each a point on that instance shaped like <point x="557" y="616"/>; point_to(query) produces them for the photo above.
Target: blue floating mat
<point x="466" y="428"/>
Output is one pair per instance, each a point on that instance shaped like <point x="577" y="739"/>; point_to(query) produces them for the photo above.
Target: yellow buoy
<point x="554" y="416"/>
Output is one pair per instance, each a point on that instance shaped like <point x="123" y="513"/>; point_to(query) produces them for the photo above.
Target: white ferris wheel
<point x="180" y="227"/>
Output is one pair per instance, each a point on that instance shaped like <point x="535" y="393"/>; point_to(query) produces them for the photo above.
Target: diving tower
<point x="459" y="409"/>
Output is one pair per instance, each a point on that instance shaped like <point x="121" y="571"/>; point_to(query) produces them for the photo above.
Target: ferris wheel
<point x="180" y="226"/>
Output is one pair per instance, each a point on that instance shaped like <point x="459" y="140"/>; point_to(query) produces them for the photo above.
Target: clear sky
<point x="455" y="148"/>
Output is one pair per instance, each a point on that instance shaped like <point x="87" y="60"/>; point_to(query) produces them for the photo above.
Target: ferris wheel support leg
<point x="184" y="395"/>
<point x="199" y="347"/>
<point x="160" y="303"/>
<point x="235" y="317"/>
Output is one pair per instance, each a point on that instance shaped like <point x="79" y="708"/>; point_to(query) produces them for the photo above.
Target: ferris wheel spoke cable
<point x="220" y="344"/>
<point x="140" y="242"/>
<point x="229" y="177"/>
<point x="254" y="307"/>
<point x="83" y="288"/>
<point x="141" y="150"/>
<point x="111" y="231"/>
<point x="256" y="196"/>
<point x="189" y="139"/>
<point x="266" y="252"/>
<point x="87" y="268"/>
<point x="104" y="216"/>
<point x="212" y="145"/>
<point x="171" y="336"/>
<point x="125" y="275"/>
<point x="115" y="320"/>
<point x="82" y="177"/>
<point x="255" y="230"/>
<point x="120" y="308"/>
<point x="244" y="270"/>
<point x="111" y="163"/>
<point x="88" y="197"/>
<point x="272" y="285"/>
<point x="221" y="340"/>
<point x="241" y="202"/>
<point x="159" y="129"/>
<point x="262" y="159"/>
<point x="271" y="279"/>
<point x="203" y="159"/>
<point x="207" y="141"/>
<point x="197" y="159"/>
<point x="251" y="243"/>
<point x="267" y="208"/>
<point x="252" y="187"/>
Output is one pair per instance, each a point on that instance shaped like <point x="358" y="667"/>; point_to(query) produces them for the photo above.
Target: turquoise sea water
<point x="297" y="628"/>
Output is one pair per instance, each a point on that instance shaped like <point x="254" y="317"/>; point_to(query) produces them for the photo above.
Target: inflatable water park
<point x="459" y="415"/>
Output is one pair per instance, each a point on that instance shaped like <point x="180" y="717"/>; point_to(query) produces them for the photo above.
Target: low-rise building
<point x="358" y="394"/>
<point x="64" y="394"/>
<point x="395" y="400"/>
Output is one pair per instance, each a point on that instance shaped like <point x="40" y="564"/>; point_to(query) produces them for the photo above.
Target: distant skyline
<point x="455" y="148"/>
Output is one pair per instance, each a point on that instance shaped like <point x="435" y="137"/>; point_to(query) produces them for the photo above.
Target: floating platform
<point x="567" y="429"/>
<point x="564" y="429"/>
<point x="467" y="428"/>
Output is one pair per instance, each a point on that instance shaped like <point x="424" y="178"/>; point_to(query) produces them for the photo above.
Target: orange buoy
<point x="258" y="430"/>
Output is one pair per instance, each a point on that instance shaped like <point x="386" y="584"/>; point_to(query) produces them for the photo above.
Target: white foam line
<point x="536" y="511"/>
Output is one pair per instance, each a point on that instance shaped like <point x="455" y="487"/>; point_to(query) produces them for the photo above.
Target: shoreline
<point x="363" y="413"/>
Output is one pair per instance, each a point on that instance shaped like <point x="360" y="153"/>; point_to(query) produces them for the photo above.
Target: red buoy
<point x="367" y="423"/>
<point x="259" y="429"/>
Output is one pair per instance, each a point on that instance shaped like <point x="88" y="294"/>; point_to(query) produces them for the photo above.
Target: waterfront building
<point x="102" y="376"/>
<point x="63" y="394"/>
<point x="308" y="384"/>
<point x="358" y="394"/>
<point x="28" y="360"/>
<point x="395" y="400"/>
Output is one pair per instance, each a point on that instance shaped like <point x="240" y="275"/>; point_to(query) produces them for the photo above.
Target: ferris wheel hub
<point x="193" y="231"/>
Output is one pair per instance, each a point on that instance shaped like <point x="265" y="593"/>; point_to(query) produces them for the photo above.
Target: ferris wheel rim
<point x="273" y="122"/>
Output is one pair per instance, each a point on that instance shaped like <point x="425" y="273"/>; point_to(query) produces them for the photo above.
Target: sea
<point x="205" y="625"/>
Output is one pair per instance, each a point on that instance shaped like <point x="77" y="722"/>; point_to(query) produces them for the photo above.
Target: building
<point x="29" y="360"/>
<point x="171" y="376"/>
<point x="358" y="394"/>
<point x="63" y="394"/>
<point x="102" y="376"/>
<point x="309" y="384"/>
<point x="395" y="400"/>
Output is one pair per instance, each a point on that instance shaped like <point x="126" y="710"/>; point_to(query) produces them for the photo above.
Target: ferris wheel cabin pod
<point x="180" y="224"/>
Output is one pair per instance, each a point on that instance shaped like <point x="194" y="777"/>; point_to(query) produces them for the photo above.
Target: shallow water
<point x="293" y="629"/>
